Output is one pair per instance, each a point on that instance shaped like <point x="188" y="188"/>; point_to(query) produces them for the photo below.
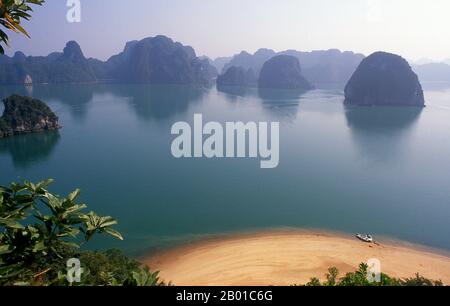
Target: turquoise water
<point x="384" y="171"/>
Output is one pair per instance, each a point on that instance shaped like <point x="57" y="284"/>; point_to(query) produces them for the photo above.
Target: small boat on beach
<point x="365" y="238"/>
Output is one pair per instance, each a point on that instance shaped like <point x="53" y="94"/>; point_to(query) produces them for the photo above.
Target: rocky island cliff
<point x="26" y="115"/>
<point x="237" y="76"/>
<point x="384" y="79"/>
<point x="318" y="67"/>
<point x="153" y="60"/>
<point x="70" y="66"/>
<point x="283" y="72"/>
<point x="159" y="60"/>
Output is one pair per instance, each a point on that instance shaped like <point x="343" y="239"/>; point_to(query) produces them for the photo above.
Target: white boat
<point x="365" y="238"/>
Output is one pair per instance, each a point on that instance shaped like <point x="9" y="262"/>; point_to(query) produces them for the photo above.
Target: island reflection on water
<point x="30" y="149"/>
<point x="381" y="133"/>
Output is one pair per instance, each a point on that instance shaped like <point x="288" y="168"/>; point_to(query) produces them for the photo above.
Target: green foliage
<point x="332" y="276"/>
<point x="144" y="278"/>
<point x="24" y="115"/>
<point x="40" y="231"/>
<point x="314" y="282"/>
<point x="112" y="268"/>
<point x="420" y="281"/>
<point x="21" y="109"/>
<point x="359" y="278"/>
<point x="12" y="12"/>
<point x="107" y="268"/>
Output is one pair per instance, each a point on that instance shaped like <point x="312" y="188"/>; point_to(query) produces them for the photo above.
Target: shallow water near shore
<point x="377" y="170"/>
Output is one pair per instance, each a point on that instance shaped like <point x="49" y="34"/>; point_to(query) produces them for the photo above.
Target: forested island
<point x="26" y="115"/>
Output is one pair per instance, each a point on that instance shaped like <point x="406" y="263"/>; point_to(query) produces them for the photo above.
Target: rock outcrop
<point x="384" y="79"/>
<point x="251" y="61"/>
<point x="433" y="72"/>
<point x="237" y="76"/>
<point x="325" y="67"/>
<point x="153" y="60"/>
<point x="220" y="63"/>
<point x="283" y="72"/>
<point x="26" y="115"/>
<point x="320" y="67"/>
<point x="160" y="60"/>
<point x="70" y="66"/>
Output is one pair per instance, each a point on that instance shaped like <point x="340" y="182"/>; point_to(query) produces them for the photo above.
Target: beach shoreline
<point x="289" y="256"/>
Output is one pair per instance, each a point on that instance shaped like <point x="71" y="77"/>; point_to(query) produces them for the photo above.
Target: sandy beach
<point x="288" y="257"/>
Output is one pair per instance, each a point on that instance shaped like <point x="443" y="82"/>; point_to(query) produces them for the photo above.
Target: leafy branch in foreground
<point x="11" y="14"/>
<point x="39" y="231"/>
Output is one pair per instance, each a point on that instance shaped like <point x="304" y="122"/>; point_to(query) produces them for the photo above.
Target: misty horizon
<point x="419" y="61"/>
<point x="407" y="28"/>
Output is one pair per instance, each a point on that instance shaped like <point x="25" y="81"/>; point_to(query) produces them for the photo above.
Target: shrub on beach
<point x="359" y="278"/>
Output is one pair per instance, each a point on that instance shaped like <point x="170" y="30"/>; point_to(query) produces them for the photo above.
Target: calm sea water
<point x="384" y="171"/>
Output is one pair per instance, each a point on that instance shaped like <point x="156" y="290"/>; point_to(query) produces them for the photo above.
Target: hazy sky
<point x="412" y="28"/>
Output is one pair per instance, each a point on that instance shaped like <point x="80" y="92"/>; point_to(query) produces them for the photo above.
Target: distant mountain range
<point x="156" y="60"/>
<point x="160" y="60"/>
<point x="219" y="63"/>
<point x="331" y="66"/>
<point x="237" y="76"/>
<point x="250" y="61"/>
<point x="283" y="72"/>
<point x="70" y="66"/>
<point x="433" y="72"/>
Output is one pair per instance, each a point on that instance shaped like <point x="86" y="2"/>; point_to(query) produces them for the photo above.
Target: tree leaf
<point x="10" y="223"/>
<point x="71" y="197"/>
<point x="5" y="249"/>
<point x="113" y="233"/>
<point x="44" y="184"/>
